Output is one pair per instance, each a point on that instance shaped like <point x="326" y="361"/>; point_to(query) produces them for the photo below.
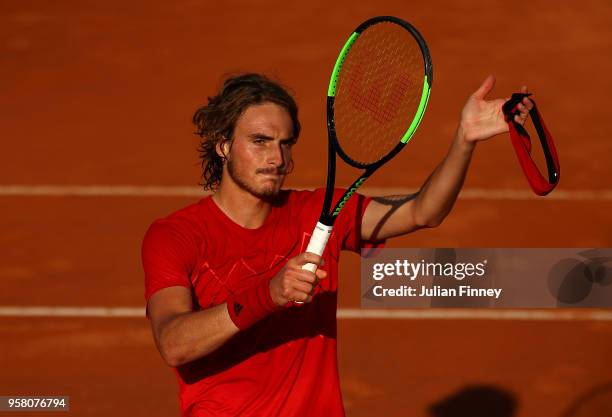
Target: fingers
<point x="305" y="286"/>
<point x="299" y="286"/>
<point x="308" y="261"/>
<point x="307" y="276"/>
<point x="485" y="88"/>
<point x="300" y="293"/>
<point x="526" y="101"/>
<point x="524" y="108"/>
<point x="523" y="113"/>
<point x="293" y="283"/>
<point x="308" y="258"/>
<point x="302" y="298"/>
<point x="302" y="288"/>
<point x="304" y="276"/>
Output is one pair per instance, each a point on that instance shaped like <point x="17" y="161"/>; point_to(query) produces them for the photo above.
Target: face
<point x="259" y="154"/>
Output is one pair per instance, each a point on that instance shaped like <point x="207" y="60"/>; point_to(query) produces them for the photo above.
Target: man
<point x="222" y="276"/>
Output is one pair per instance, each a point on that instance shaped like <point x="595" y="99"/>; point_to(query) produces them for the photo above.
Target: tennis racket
<point x="377" y="95"/>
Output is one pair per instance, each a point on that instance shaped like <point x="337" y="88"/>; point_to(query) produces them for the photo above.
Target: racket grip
<point x="318" y="241"/>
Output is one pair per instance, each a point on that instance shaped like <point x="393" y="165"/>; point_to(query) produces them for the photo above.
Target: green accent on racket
<point x="419" y="114"/>
<point x="331" y="91"/>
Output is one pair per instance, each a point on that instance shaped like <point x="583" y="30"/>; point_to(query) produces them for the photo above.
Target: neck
<point x="241" y="206"/>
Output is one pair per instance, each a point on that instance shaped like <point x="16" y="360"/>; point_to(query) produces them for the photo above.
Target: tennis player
<point x="222" y="275"/>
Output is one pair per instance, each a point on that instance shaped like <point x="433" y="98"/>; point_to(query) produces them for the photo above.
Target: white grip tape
<point x="318" y="241"/>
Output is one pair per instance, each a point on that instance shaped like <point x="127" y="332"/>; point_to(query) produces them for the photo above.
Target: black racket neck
<point x="326" y="218"/>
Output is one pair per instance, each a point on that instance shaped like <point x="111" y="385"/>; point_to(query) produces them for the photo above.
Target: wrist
<point x="251" y="305"/>
<point x="462" y="139"/>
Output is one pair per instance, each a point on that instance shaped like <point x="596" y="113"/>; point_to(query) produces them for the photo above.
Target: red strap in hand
<point x="522" y="146"/>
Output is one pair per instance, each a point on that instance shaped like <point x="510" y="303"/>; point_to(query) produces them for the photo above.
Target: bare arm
<point x="183" y="335"/>
<point x="391" y="216"/>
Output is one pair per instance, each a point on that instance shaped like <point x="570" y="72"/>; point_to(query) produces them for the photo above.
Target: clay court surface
<point x="97" y="96"/>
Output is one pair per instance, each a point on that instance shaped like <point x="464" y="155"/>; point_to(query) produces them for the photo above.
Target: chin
<point x="271" y="190"/>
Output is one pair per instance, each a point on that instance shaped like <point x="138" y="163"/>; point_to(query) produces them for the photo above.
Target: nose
<point x="277" y="156"/>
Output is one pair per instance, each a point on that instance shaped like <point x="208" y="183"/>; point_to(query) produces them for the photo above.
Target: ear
<point x="222" y="148"/>
<point x="290" y="166"/>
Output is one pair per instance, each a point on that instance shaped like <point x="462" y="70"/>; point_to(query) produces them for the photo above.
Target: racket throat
<point x="349" y="192"/>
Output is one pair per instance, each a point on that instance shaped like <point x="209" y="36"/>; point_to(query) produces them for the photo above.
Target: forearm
<point x="439" y="193"/>
<point x="391" y="216"/>
<point x="481" y="119"/>
<point x="189" y="336"/>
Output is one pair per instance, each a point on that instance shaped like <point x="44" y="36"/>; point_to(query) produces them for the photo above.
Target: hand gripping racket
<point x="377" y="95"/>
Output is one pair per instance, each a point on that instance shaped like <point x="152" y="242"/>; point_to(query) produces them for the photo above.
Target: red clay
<point x="103" y="92"/>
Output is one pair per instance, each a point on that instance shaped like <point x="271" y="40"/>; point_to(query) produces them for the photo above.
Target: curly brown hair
<point x="215" y="122"/>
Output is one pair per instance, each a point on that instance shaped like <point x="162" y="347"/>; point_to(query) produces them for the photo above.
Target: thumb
<point x="485" y="88"/>
<point x="309" y="258"/>
<point x="321" y="274"/>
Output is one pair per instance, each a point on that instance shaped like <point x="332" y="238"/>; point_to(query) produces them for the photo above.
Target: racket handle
<point x="318" y="241"/>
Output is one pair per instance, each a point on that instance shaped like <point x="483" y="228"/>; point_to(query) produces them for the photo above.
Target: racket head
<point x="378" y="91"/>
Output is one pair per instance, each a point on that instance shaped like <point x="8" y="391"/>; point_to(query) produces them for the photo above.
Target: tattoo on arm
<point x="394" y="202"/>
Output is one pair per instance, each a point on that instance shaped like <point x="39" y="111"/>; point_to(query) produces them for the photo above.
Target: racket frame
<point x="328" y="216"/>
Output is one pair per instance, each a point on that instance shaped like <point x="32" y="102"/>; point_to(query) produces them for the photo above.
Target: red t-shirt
<point x="284" y="365"/>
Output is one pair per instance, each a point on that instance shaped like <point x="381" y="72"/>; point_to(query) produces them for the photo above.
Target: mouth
<point x="274" y="177"/>
<point x="272" y="174"/>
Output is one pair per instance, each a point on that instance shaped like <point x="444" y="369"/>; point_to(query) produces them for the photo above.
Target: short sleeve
<point x="168" y="257"/>
<point x="350" y="219"/>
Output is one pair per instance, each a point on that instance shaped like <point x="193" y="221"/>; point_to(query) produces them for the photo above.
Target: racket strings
<point x="378" y="92"/>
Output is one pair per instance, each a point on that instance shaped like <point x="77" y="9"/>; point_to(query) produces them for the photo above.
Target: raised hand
<point x="482" y="119"/>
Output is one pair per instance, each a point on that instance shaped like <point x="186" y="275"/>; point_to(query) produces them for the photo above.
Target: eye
<point x="289" y="143"/>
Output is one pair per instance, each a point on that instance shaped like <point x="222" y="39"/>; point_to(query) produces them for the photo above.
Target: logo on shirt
<point x="237" y="308"/>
